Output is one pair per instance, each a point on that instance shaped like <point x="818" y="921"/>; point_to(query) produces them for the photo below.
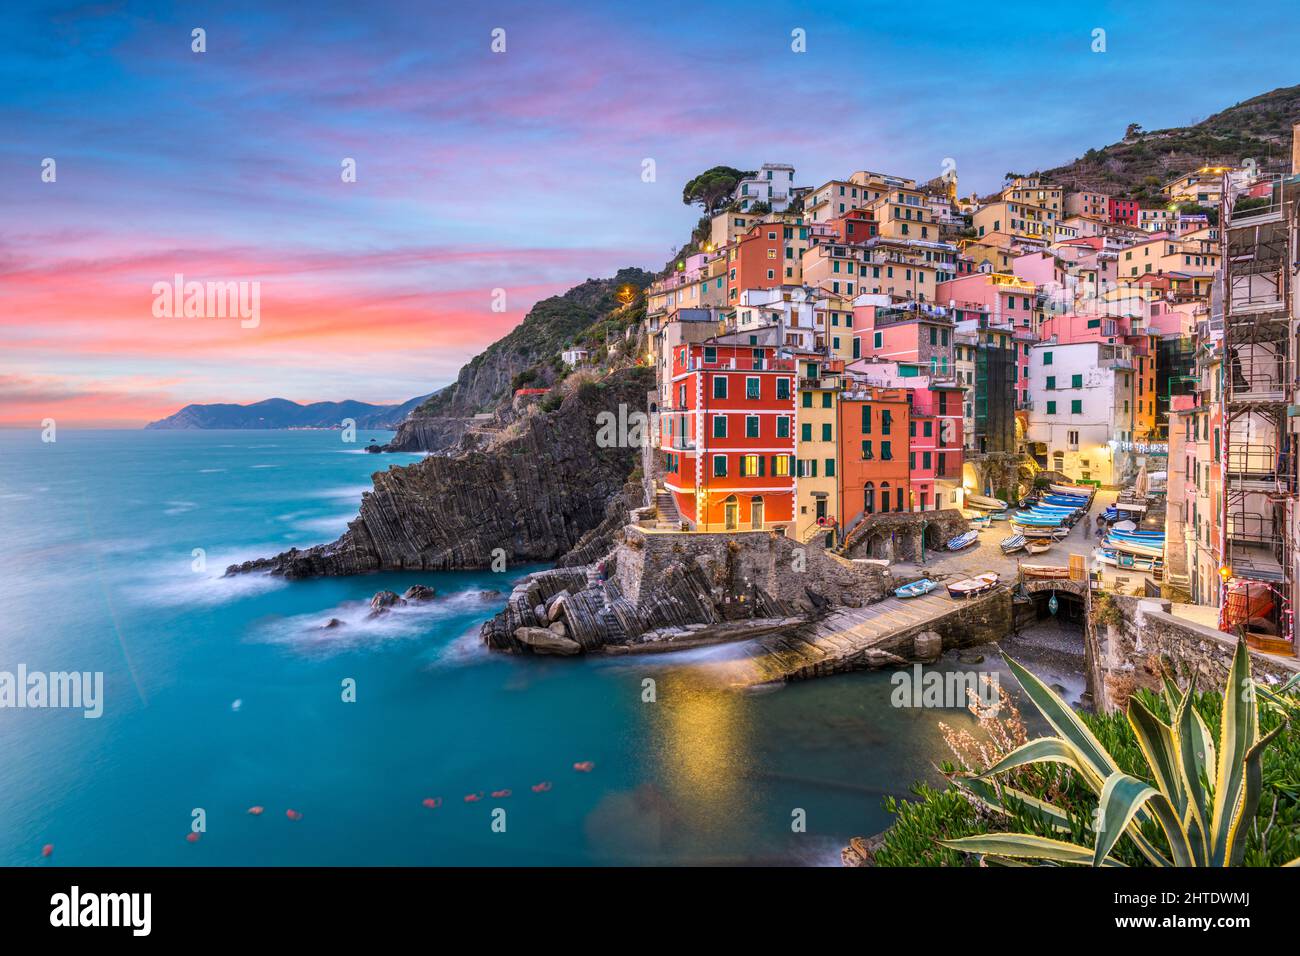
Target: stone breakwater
<point x="534" y="494"/>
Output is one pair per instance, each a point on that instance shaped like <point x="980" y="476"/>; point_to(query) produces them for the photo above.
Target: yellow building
<point x="1032" y="191"/>
<point x="835" y="325"/>
<point x="817" y="502"/>
<point x="1015" y="219"/>
<point x="903" y="212"/>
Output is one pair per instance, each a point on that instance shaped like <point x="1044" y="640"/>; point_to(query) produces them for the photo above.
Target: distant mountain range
<point x="282" y="413"/>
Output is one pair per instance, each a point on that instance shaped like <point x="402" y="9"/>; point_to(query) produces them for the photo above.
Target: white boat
<point x="1140" y="548"/>
<point x="1077" y="491"/>
<point x="916" y="588"/>
<point x="1012" y="544"/>
<point x="963" y="540"/>
<point x="986" y="504"/>
<point x="973" y="586"/>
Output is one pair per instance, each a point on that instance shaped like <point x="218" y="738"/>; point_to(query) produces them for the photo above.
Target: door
<point x="730" y="517"/>
<point x="756" y="513"/>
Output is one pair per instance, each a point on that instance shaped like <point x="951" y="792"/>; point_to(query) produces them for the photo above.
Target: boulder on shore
<point x="545" y="641"/>
<point x="419" y="592"/>
<point x="927" y="646"/>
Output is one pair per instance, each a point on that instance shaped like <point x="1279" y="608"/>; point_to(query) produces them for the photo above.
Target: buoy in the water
<point x="47" y="849"/>
<point x="293" y="814"/>
<point x="542" y="787"/>
<point x="500" y="793"/>
<point x="433" y="803"/>
<point x="236" y="704"/>
<point x="473" y="797"/>
<point x="192" y="837"/>
<point x="585" y="766"/>
<point x="255" y="811"/>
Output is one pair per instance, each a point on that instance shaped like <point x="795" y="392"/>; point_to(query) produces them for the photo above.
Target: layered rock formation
<point x="533" y="494"/>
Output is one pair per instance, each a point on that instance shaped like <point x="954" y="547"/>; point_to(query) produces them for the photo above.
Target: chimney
<point x="1295" y="149"/>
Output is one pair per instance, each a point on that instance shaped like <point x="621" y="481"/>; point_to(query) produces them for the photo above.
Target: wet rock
<point x="861" y="851"/>
<point x="489" y="595"/>
<point x="331" y="623"/>
<point x="545" y="641"/>
<point x="970" y="657"/>
<point x="420" y="592"/>
<point x="558" y="627"/>
<point x="383" y="601"/>
<point x="927" y="646"/>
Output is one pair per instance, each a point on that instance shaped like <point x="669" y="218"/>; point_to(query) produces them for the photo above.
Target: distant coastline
<point x="275" y="413"/>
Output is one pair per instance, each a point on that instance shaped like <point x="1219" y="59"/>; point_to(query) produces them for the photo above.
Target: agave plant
<point x="1204" y="799"/>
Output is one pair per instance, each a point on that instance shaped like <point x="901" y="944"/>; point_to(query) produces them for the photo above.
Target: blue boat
<point x="1037" y="517"/>
<point x="1065" y="501"/>
<point x="916" y="588"/>
<point x="963" y="540"/>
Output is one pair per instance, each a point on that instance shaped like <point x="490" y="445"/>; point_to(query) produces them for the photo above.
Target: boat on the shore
<point x="964" y="540"/>
<point x="916" y="588"/>
<point x="1038" y="545"/>
<point x="1044" y="571"/>
<point x="1053" y="532"/>
<point x="1145" y="549"/>
<point x="970" y="587"/>
<point x="1012" y="544"/>
<point x="1078" y="491"/>
<point x="985" y="503"/>
<point x="1066" y="501"/>
<point x="1127" y="562"/>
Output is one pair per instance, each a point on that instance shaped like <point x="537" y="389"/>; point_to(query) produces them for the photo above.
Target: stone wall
<point x="898" y="536"/>
<point x="1130" y="655"/>
<point x="737" y="561"/>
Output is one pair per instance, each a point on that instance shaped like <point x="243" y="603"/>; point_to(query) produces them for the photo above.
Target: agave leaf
<point x="1237" y="734"/>
<point x="1156" y="740"/>
<point x="1027" y="846"/>
<point x="1045" y="750"/>
<point x="1254" y="783"/>
<point x="1121" y="799"/>
<point x="987" y="794"/>
<point x="991" y="860"/>
<point x="1066" y="723"/>
<point x="1173" y="696"/>
<point x="1202" y="739"/>
<point x="1295" y="862"/>
<point x="1193" y="773"/>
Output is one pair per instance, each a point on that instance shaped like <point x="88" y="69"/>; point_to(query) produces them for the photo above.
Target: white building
<point x="773" y="185"/>
<point x="791" y="309"/>
<point x="573" y="357"/>
<point x="1081" y="408"/>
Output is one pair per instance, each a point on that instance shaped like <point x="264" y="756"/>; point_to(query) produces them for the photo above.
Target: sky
<point x="479" y="171"/>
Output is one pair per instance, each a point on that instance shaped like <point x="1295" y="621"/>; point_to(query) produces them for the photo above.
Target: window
<point x="878" y="340"/>
<point x="719" y="426"/>
<point x="751" y="426"/>
<point x="826" y="399"/>
<point x="805" y="432"/>
<point x="826" y="433"/>
<point x="781" y="465"/>
<point x="886" y="452"/>
<point x="783" y="389"/>
<point x="830" y="467"/>
<point x="1051" y="408"/>
<point x="866" y="419"/>
<point x="719" y="386"/>
<point x="782" y="427"/>
<point x="807" y="399"/>
<point x="886" y="419"/>
<point x="1051" y="383"/>
<point x="927" y="429"/>
<point x="753" y="388"/>
<point x="1047" y="358"/>
<point x="1076" y="381"/>
<point x="1076" y="406"/>
<point x="720" y="466"/>
<point x="751" y="466"/>
<point x="926" y="460"/>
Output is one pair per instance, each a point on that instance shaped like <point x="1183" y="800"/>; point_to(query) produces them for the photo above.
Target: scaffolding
<point x="1257" y="379"/>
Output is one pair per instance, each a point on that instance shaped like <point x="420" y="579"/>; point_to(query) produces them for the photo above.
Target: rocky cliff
<point x="529" y="356"/>
<point x="534" y="492"/>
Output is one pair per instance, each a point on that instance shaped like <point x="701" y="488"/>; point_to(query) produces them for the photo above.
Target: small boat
<point x="1038" y="545"/>
<point x="1130" y="506"/>
<point x="963" y="540"/>
<point x="985" y="503"/>
<point x="973" y="586"/>
<point x="979" y="521"/>
<point x="1055" y="532"/>
<point x="998" y="516"/>
<point x="1078" y="491"/>
<point x="1065" y="501"/>
<point x="916" y="588"/>
<point x="1123" y="526"/>
<point x="1012" y="544"/>
<point x="1044" y="571"/>
<point x="1139" y="548"/>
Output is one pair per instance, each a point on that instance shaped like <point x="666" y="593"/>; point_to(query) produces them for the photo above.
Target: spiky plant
<point x="1204" y="799"/>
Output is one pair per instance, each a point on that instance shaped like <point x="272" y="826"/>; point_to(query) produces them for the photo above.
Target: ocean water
<point x="222" y="694"/>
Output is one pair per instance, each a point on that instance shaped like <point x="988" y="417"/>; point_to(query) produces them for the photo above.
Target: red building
<point x="1122" y="212"/>
<point x="856" y="225"/>
<point x="729" y="437"/>
<point x="757" y="260"/>
<point x="935" y="438"/>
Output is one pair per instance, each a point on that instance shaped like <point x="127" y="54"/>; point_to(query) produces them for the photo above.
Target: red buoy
<point x="542" y="787"/>
<point x="585" y="766"/>
<point x="255" y="811"/>
<point x="293" y="814"/>
<point x="192" y="837"/>
<point x="500" y="793"/>
<point x="47" y="849"/>
<point x="433" y="803"/>
<point x="473" y="797"/>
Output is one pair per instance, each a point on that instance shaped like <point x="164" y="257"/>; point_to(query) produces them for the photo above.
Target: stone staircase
<point x="668" y="518"/>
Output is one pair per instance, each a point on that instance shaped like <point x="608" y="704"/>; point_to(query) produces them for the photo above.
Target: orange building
<point x="873" y="430"/>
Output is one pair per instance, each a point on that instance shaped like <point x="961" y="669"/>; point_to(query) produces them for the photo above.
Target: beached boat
<point x="998" y="516"/>
<point x="1065" y="501"/>
<point x="963" y="540"/>
<point x="1044" y="571"/>
<point x="1012" y="544"/>
<point x="1078" y="491"/>
<point x="1141" y="548"/>
<point x="973" y="586"/>
<point x="1037" y="518"/>
<point x="916" y="588"/>
<point x="1133" y="506"/>
<point x="1038" y="545"/>
<point x="1123" y="526"/>
<point x="986" y="504"/>
<point x="1054" y="531"/>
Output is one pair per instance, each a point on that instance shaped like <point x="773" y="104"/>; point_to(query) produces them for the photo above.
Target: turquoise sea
<point x="222" y="694"/>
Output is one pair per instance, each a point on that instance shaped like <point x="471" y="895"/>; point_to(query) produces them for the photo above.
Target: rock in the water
<point x="558" y="628"/>
<point x="545" y="641"/>
<point x="490" y="595"/>
<point x="332" y="622"/>
<point x="927" y="646"/>
<point x="383" y="601"/>
<point x="862" y="851"/>
<point x="420" y="592"/>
